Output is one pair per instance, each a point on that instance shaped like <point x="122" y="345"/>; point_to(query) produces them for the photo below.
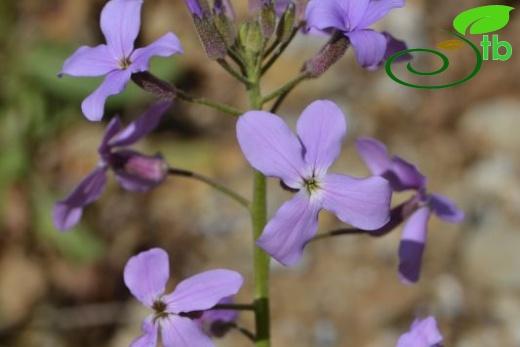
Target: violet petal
<point x="90" y="61"/>
<point x="270" y="147"/>
<point x="377" y="10"/>
<point x="165" y="46"/>
<point x="113" y="127"/>
<point x="403" y="176"/>
<point x="446" y="209"/>
<point x="149" y="337"/>
<point x="141" y="126"/>
<point x="321" y="129"/>
<point x="114" y="83"/>
<point x="354" y="12"/>
<point x="374" y="154"/>
<point x="67" y="212"/>
<point x="146" y="275"/>
<point x="369" y="46"/>
<point x="412" y="246"/>
<point x="120" y="23"/>
<point x="203" y="291"/>
<point x="293" y="225"/>
<point x="324" y="14"/>
<point x="362" y="203"/>
<point x="183" y="332"/>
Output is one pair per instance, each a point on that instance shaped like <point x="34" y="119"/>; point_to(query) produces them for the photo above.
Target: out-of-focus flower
<point x="174" y="315"/>
<point x="423" y="333"/>
<point x="302" y="162"/>
<point x="117" y="60"/>
<point x="218" y="322"/>
<point x="134" y="171"/>
<point x="404" y="176"/>
<point x="353" y="18"/>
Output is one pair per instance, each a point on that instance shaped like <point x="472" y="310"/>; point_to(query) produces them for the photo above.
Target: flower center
<point x="160" y="310"/>
<point x="125" y="63"/>
<point x="311" y="184"/>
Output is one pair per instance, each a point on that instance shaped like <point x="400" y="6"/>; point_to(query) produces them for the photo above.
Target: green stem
<point x="261" y="262"/>
<point x="209" y="103"/>
<point x="224" y="190"/>
<point x="258" y="210"/>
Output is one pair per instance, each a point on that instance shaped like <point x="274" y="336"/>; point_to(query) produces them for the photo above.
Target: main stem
<point x="259" y="220"/>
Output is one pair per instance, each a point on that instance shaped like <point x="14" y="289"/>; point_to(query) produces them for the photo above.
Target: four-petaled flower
<point x="352" y="18"/>
<point x="174" y="314"/>
<point x="134" y="171"/>
<point x="423" y="333"/>
<point x="404" y="176"/>
<point x="117" y="60"/>
<point x="301" y="162"/>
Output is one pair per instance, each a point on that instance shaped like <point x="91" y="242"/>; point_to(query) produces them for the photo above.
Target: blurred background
<point x="66" y="289"/>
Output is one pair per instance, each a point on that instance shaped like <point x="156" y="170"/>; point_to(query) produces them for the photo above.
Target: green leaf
<point x="483" y="19"/>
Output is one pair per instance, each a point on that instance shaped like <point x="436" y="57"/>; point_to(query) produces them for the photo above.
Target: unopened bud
<point x="330" y="54"/>
<point x="286" y="24"/>
<point x="138" y="172"/>
<point x="223" y="18"/>
<point x="250" y="36"/>
<point x="154" y="85"/>
<point x="267" y="18"/>
<point x="210" y="38"/>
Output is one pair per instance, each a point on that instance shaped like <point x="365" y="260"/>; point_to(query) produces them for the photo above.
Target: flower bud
<point x="286" y="24"/>
<point x="213" y="43"/>
<point x="250" y="36"/>
<point x="330" y="54"/>
<point x="223" y="19"/>
<point x="138" y="172"/>
<point x="267" y="18"/>
<point x="154" y="85"/>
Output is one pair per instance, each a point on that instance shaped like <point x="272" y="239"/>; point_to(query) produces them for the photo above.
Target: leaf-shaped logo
<point x="483" y="19"/>
<point x="451" y="44"/>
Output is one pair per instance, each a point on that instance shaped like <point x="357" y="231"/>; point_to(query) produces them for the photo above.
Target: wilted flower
<point x="352" y="18"/>
<point x="404" y="176"/>
<point x="134" y="171"/>
<point x="302" y="162"/>
<point x="423" y="333"/>
<point x="218" y="322"/>
<point x="174" y="315"/>
<point x="117" y="60"/>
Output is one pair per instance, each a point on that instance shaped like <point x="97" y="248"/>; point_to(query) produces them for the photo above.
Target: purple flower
<point x="404" y="176"/>
<point x="134" y="171"/>
<point x="423" y="333"/>
<point x="218" y="322"/>
<point x="352" y="18"/>
<point x="117" y="60"/>
<point x="174" y="314"/>
<point x="301" y="162"/>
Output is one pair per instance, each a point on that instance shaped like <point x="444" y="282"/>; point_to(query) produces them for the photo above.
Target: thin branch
<point x="238" y="198"/>
<point x="233" y="72"/>
<point x="209" y="103"/>
<point x="238" y="307"/>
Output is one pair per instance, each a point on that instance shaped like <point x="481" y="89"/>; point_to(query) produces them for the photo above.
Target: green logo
<point x="479" y="20"/>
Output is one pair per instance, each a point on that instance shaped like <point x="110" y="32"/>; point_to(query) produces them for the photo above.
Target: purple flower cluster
<point x="302" y="162"/>
<point x="134" y="171"/>
<point x="175" y="315"/>
<point x="404" y="176"/>
<point x="117" y="60"/>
